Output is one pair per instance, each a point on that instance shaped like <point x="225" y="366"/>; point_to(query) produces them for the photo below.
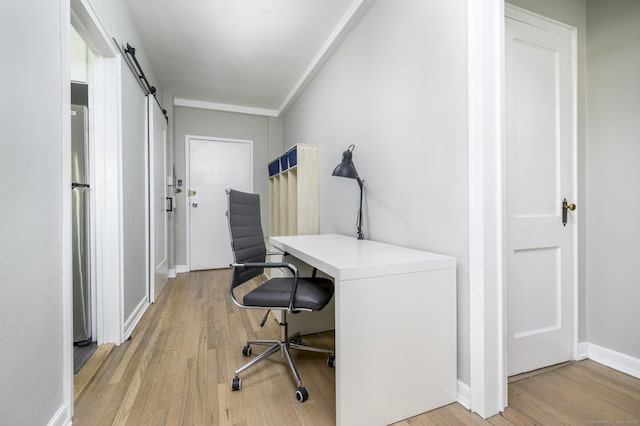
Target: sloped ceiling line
<point x="350" y="19"/>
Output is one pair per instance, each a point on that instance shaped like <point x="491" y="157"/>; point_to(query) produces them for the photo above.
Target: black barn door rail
<point x="131" y="51"/>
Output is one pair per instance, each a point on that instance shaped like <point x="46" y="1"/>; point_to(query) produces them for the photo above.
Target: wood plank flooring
<point x="177" y="368"/>
<point x="90" y="368"/>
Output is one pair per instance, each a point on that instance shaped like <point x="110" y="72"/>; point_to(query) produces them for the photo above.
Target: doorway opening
<point x="212" y="166"/>
<point x="540" y="175"/>
<point x="487" y="215"/>
<point x="95" y="70"/>
<point x="82" y="235"/>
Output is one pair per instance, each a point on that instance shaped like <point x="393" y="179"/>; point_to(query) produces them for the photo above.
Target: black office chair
<point x="286" y="294"/>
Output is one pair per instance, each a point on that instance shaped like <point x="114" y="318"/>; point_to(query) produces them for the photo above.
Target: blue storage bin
<point x="284" y="162"/>
<point x="274" y="168"/>
<point x="293" y="156"/>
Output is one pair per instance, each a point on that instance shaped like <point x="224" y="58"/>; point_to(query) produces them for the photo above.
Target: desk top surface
<point x="348" y="258"/>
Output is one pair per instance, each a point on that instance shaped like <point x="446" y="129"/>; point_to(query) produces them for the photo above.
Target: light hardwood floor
<point x="178" y="365"/>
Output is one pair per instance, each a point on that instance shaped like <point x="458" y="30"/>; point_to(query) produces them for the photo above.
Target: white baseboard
<point x="616" y="360"/>
<point x="134" y="318"/>
<point x="464" y="395"/>
<point x="180" y="269"/>
<point x="172" y="273"/>
<point x="62" y="417"/>
<point x="583" y="351"/>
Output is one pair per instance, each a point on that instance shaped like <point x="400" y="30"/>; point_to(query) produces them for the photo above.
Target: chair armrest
<point x="289" y="266"/>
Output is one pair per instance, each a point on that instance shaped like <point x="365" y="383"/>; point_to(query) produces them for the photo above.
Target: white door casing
<point x="158" y="215"/>
<point x="487" y="307"/>
<point x="105" y="134"/>
<point x="540" y="158"/>
<point x="214" y="164"/>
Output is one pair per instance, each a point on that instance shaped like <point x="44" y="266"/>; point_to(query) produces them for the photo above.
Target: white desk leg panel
<point x="395" y="346"/>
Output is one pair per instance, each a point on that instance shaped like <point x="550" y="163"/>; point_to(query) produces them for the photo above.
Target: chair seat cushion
<point x="312" y="293"/>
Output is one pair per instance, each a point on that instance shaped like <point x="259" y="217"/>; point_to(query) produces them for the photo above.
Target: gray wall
<point x="265" y="132"/>
<point x="397" y="89"/>
<point x="31" y="196"/>
<point x="574" y="13"/>
<point x="613" y="173"/>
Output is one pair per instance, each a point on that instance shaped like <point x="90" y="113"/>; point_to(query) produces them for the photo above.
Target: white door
<point x="158" y="215"/>
<point x="214" y="166"/>
<point x="540" y="155"/>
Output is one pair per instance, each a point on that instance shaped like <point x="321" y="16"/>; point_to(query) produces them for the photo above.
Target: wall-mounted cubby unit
<point x="293" y="192"/>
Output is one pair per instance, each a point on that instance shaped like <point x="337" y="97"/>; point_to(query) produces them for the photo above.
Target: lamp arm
<point x="347" y="169"/>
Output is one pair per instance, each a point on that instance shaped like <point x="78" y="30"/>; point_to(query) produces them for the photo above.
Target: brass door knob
<point x="566" y="206"/>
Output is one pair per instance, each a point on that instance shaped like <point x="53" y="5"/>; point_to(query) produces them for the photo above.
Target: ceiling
<point x="243" y="55"/>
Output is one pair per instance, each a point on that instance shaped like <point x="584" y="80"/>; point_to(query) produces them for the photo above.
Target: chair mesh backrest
<point x="247" y="239"/>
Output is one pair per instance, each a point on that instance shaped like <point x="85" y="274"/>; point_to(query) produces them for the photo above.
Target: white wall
<point x="613" y="173"/>
<point x="32" y="196"/>
<point x="118" y="22"/>
<point x="397" y="89"/>
<point x="79" y="57"/>
<point x="265" y="132"/>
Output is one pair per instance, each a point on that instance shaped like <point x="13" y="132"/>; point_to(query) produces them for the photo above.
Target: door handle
<point x="194" y="204"/>
<point x="566" y="206"/>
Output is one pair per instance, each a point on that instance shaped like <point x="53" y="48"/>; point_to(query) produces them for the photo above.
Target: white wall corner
<point x="62" y="416"/>
<point x="352" y="16"/>
<point x="583" y="351"/>
<point x="172" y="273"/>
<point x="616" y="360"/>
<point x="181" y="269"/>
<point x="464" y="395"/>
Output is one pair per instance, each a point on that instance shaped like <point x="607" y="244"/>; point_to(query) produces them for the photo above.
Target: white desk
<point x="395" y="322"/>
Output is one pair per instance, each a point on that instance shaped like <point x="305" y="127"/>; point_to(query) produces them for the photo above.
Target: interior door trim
<point x="187" y="161"/>
<point x="487" y="393"/>
<point x="531" y="18"/>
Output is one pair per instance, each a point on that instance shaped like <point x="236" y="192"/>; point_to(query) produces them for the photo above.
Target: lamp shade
<point x="348" y="170"/>
<point x="346" y="167"/>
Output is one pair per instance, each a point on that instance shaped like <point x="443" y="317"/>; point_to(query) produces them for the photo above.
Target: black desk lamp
<point x="348" y="170"/>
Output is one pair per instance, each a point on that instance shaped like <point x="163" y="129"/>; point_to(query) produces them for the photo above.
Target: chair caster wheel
<point x="331" y="361"/>
<point x="301" y="394"/>
<point x="236" y="383"/>
<point x="297" y="340"/>
<point x="246" y="351"/>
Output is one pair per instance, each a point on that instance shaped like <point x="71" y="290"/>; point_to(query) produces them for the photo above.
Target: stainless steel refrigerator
<point x="80" y="227"/>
